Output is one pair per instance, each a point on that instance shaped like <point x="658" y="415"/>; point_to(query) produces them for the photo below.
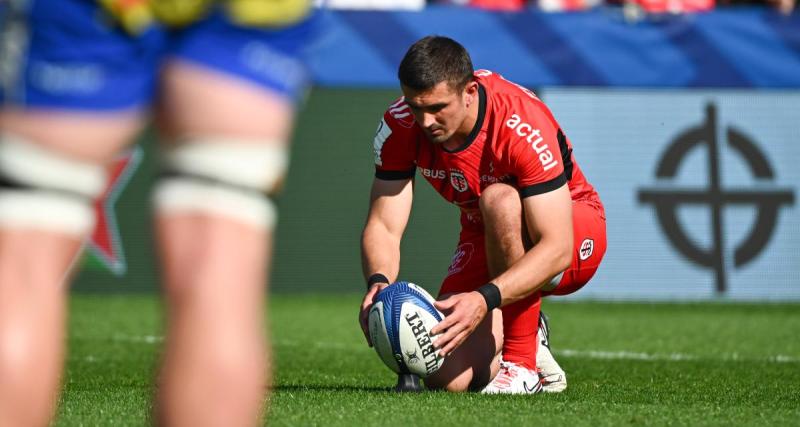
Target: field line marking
<point x="630" y="355"/>
<point x="568" y="353"/>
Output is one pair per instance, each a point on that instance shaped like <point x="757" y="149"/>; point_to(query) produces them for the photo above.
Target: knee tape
<point x="43" y="190"/>
<point x="223" y="177"/>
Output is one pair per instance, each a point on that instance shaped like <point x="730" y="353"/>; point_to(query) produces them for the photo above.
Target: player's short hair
<point x="435" y="59"/>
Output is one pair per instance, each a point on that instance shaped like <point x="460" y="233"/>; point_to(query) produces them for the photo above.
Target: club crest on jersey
<point x="586" y="249"/>
<point x="458" y="180"/>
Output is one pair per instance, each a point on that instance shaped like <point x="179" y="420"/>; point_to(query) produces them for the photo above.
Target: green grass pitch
<point x="634" y="364"/>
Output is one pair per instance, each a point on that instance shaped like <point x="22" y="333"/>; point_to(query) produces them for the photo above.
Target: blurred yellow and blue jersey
<point x="105" y="55"/>
<point x="136" y="15"/>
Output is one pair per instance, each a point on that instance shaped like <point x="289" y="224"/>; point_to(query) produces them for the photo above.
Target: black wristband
<point x="491" y="293"/>
<point x="376" y="278"/>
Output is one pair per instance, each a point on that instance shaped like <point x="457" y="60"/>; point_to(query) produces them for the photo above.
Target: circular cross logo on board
<point x="766" y="201"/>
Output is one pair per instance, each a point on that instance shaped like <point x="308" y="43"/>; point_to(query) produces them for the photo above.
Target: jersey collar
<point x="478" y="122"/>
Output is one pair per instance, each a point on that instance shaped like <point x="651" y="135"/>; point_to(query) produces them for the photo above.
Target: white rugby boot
<point x="514" y="379"/>
<point x="553" y="378"/>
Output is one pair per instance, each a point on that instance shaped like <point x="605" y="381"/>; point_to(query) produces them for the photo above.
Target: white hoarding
<point x="700" y="189"/>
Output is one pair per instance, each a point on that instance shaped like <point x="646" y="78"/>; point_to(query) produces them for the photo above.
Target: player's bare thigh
<point x="198" y="101"/>
<point x="475" y="362"/>
<point x="94" y="137"/>
<point x="199" y="104"/>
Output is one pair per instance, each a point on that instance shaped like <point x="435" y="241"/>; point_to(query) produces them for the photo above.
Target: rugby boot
<point x="552" y="377"/>
<point x="514" y="379"/>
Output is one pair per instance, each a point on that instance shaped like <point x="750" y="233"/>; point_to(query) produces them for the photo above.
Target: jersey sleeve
<point x="533" y="148"/>
<point x="395" y="148"/>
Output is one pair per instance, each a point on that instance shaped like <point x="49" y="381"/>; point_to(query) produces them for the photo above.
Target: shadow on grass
<point x="345" y="388"/>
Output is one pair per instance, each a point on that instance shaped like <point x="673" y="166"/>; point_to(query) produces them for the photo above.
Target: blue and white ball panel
<point x="380" y="338"/>
<point x="406" y="313"/>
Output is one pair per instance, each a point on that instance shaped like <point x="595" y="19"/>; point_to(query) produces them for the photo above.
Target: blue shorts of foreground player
<point x="68" y="54"/>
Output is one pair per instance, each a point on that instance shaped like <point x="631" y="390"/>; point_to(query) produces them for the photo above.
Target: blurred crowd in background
<point x="630" y="7"/>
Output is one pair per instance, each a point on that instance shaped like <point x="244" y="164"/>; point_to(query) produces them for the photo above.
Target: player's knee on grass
<point x="475" y="362"/>
<point x="44" y="190"/>
<point x="231" y="178"/>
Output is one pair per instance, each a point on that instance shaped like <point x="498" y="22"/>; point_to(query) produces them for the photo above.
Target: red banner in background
<point x="105" y="243"/>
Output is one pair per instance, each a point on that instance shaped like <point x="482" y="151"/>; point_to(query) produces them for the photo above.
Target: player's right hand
<point x="366" y="304"/>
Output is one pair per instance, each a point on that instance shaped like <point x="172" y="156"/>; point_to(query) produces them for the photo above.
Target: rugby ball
<point x="400" y="322"/>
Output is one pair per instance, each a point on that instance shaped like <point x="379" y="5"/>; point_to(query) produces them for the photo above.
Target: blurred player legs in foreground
<point x="225" y="115"/>
<point x="214" y="255"/>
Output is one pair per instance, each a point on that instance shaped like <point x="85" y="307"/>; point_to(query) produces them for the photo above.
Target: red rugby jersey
<point x="515" y="140"/>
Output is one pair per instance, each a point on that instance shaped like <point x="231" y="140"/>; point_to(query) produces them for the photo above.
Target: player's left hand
<point x="463" y="312"/>
<point x="366" y="305"/>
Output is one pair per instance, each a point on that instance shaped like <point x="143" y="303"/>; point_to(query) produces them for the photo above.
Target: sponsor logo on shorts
<point x="586" y="249"/>
<point x="461" y="258"/>
<point x="458" y="180"/>
<point x="58" y="78"/>
<point x="272" y="65"/>
<point x="473" y="216"/>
